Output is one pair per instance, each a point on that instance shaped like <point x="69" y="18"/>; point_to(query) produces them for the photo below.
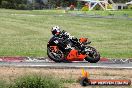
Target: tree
<point x="13" y="4"/>
<point x="121" y="1"/>
<point x="52" y="3"/>
<point x="0" y="2"/>
<point x="64" y="3"/>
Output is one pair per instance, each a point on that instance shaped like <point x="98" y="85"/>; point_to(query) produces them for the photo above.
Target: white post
<point x="94" y="5"/>
<point x="100" y="2"/>
<point x="106" y="4"/>
<point x="121" y="7"/>
<point x="89" y="5"/>
<point x="101" y="5"/>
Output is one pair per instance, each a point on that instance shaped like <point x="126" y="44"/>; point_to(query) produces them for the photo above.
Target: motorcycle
<point x="71" y="50"/>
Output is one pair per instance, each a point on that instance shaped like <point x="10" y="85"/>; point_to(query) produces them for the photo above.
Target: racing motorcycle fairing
<point x="75" y="56"/>
<point x="54" y="48"/>
<point x="83" y="40"/>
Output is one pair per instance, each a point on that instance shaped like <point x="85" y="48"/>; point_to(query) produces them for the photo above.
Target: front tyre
<point x="55" y="56"/>
<point x="93" y="55"/>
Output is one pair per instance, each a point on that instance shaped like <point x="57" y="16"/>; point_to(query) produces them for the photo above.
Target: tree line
<point x="33" y="4"/>
<point x="39" y="4"/>
<point x="121" y="1"/>
<point x="22" y="4"/>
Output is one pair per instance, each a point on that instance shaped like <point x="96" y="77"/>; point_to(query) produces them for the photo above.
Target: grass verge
<point x="26" y="33"/>
<point x="3" y="84"/>
<point x="36" y="81"/>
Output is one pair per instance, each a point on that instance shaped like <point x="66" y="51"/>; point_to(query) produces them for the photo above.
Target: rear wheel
<point x="93" y="55"/>
<point x="57" y="56"/>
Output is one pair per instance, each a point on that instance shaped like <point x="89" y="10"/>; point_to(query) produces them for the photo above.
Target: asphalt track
<point x="46" y="63"/>
<point x="66" y="65"/>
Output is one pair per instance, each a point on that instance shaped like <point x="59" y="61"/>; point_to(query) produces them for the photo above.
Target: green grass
<point x="44" y="81"/>
<point x="26" y="33"/>
<point x="119" y="13"/>
<point x="3" y="84"/>
<point x="35" y="81"/>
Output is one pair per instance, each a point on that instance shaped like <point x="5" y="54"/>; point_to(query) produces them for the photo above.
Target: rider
<point x="61" y="35"/>
<point x="58" y="33"/>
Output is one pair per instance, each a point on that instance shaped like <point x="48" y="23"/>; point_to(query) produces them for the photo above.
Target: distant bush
<point x="22" y="7"/>
<point x="4" y="4"/>
<point x="14" y="4"/>
<point x="109" y="6"/>
<point x="85" y="8"/>
<point x="79" y="5"/>
<point x="97" y="7"/>
<point x="129" y="6"/>
<point x="72" y="7"/>
<point x="35" y="81"/>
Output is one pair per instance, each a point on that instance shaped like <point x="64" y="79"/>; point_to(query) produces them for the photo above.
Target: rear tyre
<point x="93" y="55"/>
<point x="55" y="56"/>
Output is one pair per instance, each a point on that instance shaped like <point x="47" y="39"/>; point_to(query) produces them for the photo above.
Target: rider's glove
<point x="69" y="36"/>
<point x="66" y="33"/>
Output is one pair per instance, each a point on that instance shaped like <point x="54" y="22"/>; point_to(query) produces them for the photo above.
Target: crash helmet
<point x="55" y="30"/>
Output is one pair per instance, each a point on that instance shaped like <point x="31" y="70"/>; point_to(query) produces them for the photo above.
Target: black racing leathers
<point x="64" y="41"/>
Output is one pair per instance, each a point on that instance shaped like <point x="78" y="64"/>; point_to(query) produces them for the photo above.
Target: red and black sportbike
<point x="65" y="49"/>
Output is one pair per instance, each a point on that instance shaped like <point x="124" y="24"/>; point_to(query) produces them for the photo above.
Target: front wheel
<point x="55" y="56"/>
<point x="93" y="55"/>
